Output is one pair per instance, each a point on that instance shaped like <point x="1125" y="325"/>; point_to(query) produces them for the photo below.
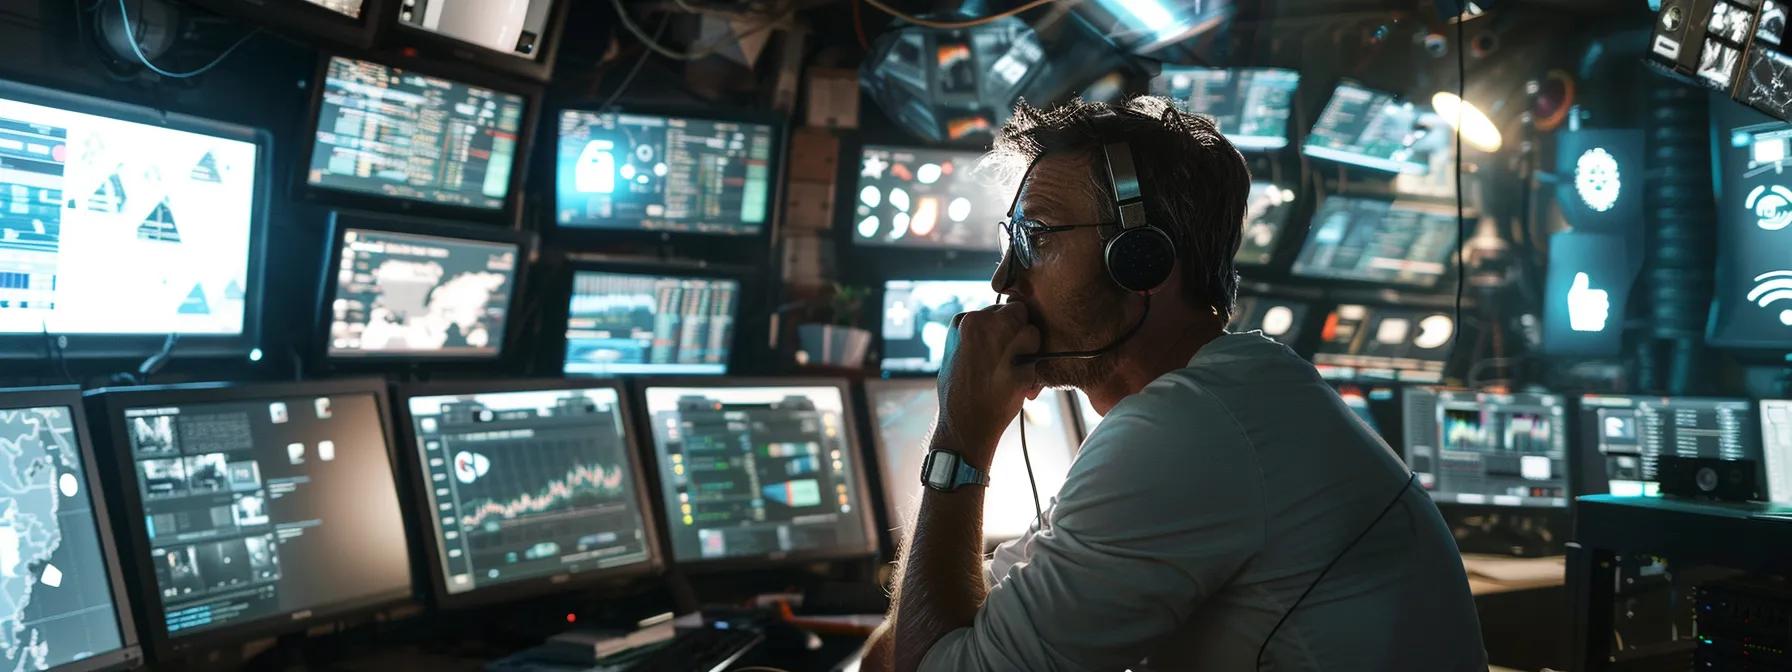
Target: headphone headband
<point x="1123" y="177"/>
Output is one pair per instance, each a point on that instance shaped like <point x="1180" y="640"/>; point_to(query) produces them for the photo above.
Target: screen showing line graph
<point x="528" y="484"/>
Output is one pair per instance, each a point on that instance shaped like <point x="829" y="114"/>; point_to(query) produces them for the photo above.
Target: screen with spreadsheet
<point x="403" y="294"/>
<point x="1488" y="449"/>
<point x="1251" y="105"/>
<point x="528" y="484"/>
<point x="1384" y="242"/>
<point x="758" y="472"/>
<point x="1631" y="433"/>
<point x="386" y="131"/>
<point x="628" y="323"/>
<point x="662" y="173"/>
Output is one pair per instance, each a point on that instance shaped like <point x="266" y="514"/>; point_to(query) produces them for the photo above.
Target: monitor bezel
<point x="112" y="402"/>
<point x="442" y="47"/>
<point x="122" y="346"/>
<point x="1252" y="148"/>
<point x="849" y="423"/>
<point x="509" y="213"/>
<point x="429" y="535"/>
<point x="1350" y="159"/>
<point x="549" y="164"/>
<point x="877" y="315"/>
<point x="130" y="653"/>
<point x="575" y="264"/>
<point x="341" y="221"/>
<point x="305" y="20"/>
<point x="1443" y="282"/>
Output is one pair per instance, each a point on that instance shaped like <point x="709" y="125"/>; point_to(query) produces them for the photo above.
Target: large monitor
<point x="391" y="137"/>
<point x="1372" y="129"/>
<point x="1251" y="105"/>
<point x="66" y="605"/>
<point x="1266" y="213"/>
<point x="623" y="320"/>
<point x="122" y="225"/>
<point x="763" y="471"/>
<point x="1752" y="302"/>
<point x="1480" y="448"/>
<point x="1776" y="448"/>
<point x="256" y="509"/>
<point x="918" y="315"/>
<point x="418" y="290"/>
<point x="516" y="36"/>
<point x="926" y="198"/>
<point x="661" y="173"/>
<point x="529" y="485"/>
<point x="902" y="415"/>
<point x="1624" y="437"/>
<point x="1383" y="242"/>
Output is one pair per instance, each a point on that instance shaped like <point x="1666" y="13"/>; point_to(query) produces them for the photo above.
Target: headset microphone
<point x="1023" y="360"/>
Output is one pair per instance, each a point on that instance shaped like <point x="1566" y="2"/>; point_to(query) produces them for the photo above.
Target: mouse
<point x="786" y="637"/>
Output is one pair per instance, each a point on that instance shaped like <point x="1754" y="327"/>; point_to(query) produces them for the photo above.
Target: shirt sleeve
<point x="1161" y="510"/>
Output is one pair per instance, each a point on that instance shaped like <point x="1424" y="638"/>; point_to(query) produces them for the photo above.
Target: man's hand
<point x="980" y="387"/>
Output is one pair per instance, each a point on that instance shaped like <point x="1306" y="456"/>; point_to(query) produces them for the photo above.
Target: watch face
<point x="939" y="469"/>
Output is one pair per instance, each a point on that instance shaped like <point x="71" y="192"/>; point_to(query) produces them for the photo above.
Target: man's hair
<point x="1195" y="183"/>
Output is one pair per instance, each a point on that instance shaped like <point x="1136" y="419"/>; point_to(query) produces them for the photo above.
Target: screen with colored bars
<point x="757" y="472"/>
<point x="1368" y="240"/>
<point x="1266" y="212"/>
<point x="528" y="484"/>
<point x="514" y="27"/>
<point x="671" y="174"/>
<point x="1370" y="129"/>
<point x="927" y="198"/>
<point x="1251" y="105"/>
<point x="1632" y="433"/>
<point x="384" y="131"/>
<point x="621" y="323"/>
<point x="115" y="227"/>
<point x="1776" y="448"/>
<point x="1488" y="449"/>
<point x="918" y="315"/>
<point x="420" y="295"/>
<point x="902" y="413"/>
<point x="348" y="8"/>
<point x="59" y="605"/>
<point x="265" y="508"/>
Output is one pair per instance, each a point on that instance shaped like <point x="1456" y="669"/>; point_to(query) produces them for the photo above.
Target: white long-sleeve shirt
<point x="1196" y="514"/>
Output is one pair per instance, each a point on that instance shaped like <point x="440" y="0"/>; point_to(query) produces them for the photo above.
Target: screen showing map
<point x="56" y="602"/>
<point x="115" y="227"/>
<point x="390" y="132"/>
<point x="402" y="294"/>
<point x="656" y="173"/>
<point x="625" y="323"/>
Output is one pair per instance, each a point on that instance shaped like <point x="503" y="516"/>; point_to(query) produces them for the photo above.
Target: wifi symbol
<point x="1773" y="286"/>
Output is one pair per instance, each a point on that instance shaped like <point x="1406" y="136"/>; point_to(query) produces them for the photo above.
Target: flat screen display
<point x="1371" y="129"/>
<point x="1368" y="240"/>
<point x="348" y="8"/>
<point x="512" y="27"/>
<point x="918" y="315"/>
<point x="1753" y="306"/>
<point x="385" y="131"/>
<point x="1631" y="434"/>
<point x="266" y="508"/>
<point x="528" y="484"/>
<point x="1776" y="448"/>
<point x="1488" y="449"/>
<point x="402" y="294"/>
<point x="926" y="198"/>
<point x="640" y="172"/>
<point x="119" y="228"/>
<point x="1251" y="105"/>
<point x="625" y="323"/>
<point x="757" y="472"/>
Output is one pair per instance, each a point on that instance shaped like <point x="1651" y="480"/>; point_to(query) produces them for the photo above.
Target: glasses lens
<point x="1020" y="244"/>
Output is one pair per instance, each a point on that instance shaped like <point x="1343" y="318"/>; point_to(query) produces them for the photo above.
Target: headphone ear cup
<point x="1140" y="259"/>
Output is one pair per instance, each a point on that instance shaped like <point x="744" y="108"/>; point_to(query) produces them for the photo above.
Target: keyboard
<point x="699" y="650"/>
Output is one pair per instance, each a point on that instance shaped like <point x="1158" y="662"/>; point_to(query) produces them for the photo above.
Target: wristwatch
<point x="945" y="471"/>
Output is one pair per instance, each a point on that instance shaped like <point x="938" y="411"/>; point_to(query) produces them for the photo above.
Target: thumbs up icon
<point x="1588" y="308"/>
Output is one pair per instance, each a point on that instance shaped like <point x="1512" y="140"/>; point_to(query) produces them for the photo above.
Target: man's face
<point x="1068" y="293"/>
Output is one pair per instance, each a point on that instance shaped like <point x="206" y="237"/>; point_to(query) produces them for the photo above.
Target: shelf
<point x="1754" y="537"/>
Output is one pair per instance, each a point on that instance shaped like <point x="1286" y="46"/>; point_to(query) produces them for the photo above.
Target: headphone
<point x="1138" y="258"/>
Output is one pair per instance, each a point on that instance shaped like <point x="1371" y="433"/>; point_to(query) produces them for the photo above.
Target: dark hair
<point x="1195" y="183"/>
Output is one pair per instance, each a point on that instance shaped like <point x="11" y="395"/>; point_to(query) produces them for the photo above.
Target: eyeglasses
<point x="1021" y="233"/>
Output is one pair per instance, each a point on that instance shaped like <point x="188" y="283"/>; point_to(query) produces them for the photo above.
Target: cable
<point x="952" y="25"/>
<point x="1461" y="258"/>
<point x="130" y="36"/>
<point x="699" y="53"/>
<point x="635" y="70"/>
<point x="1026" y="457"/>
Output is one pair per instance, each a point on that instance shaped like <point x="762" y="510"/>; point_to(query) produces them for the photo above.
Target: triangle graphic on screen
<point x="108" y="197"/>
<point x="159" y="225"/>
<point x="195" y="303"/>
<point x="207" y="169"/>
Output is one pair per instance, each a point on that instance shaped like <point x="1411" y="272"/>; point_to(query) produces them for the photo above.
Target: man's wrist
<point x="977" y="453"/>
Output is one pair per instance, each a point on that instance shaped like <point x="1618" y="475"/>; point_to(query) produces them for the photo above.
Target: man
<point x="1229" y="513"/>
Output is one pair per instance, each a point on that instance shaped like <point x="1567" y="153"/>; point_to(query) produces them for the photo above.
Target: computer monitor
<point x="917" y="316"/>
<point x="1267" y="210"/>
<point x="1752" y="300"/>
<point x="622" y="171"/>
<point x="67" y="609"/>
<point x="518" y="37"/>
<point x="926" y="198"/>
<point x="529" y="485"/>
<point x="1251" y="105"/>
<point x="1381" y="342"/>
<point x="390" y="137"/>
<point x="412" y="290"/>
<point x="1378" y="405"/>
<point x="759" y="471"/>
<point x="123" y="225"/>
<point x="1776" y="448"/>
<point x="902" y="414"/>
<point x="635" y="320"/>
<point x="1372" y="129"/>
<point x="1481" y="448"/>
<point x="1382" y="242"/>
<point x="1625" y="437"/>
<point x="353" y="23"/>
<point x="255" y="509"/>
